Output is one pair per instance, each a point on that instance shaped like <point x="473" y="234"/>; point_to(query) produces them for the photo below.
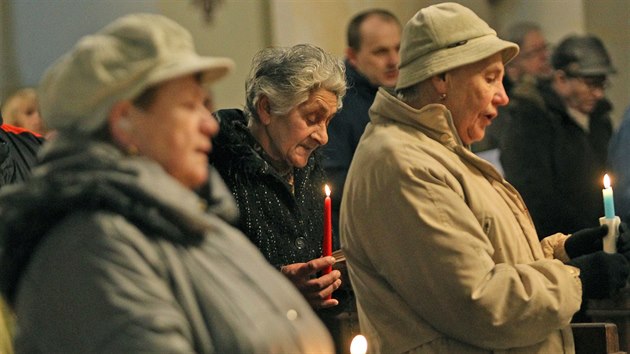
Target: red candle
<point x="327" y="244"/>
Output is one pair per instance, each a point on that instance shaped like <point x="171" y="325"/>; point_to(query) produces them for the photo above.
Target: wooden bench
<point x="596" y="338"/>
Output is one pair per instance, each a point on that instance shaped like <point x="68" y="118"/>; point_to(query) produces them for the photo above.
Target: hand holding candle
<point x="609" y="218"/>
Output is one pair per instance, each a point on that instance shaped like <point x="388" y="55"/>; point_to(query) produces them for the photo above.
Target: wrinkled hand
<point x="315" y="290"/>
<point x="585" y="241"/>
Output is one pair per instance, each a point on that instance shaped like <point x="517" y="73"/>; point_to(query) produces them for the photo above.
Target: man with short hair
<point x="555" y="144"/>
<point x="371" y="61"/>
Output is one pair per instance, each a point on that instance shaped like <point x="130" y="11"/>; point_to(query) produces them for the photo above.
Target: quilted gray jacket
<point x="108" y="253"/>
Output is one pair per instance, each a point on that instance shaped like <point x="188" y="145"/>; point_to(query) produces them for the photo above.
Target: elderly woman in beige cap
<point x="108" y="248"/>
<point x="442" y="253"/>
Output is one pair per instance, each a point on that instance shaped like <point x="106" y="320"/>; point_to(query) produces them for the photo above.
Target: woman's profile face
<point x="474" y="93"/>
<point x="295" y="136"/>
<point x="175" y="130"/>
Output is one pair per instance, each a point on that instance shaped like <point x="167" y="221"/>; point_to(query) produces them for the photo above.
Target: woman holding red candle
<point x="265" y="153"/>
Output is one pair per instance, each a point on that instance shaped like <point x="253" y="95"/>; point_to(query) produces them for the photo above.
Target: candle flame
<point x="606" y="181"/>
<point x="327" y="189"/>
<point x="358" y="345"/>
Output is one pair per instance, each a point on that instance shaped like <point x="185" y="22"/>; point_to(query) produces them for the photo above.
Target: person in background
<point x="373" y="38"/>
<point x="619" y="163"/>
<point x="107" y="247"/>
<point x="267" y="155"/>
<point x="441" y="251"/>
<point x="529" y="66"/>
<point x="21" y="110"/>
<point x="533" y="59"/>
<point x="18" y="153"/>
<point x="555" y="143"/>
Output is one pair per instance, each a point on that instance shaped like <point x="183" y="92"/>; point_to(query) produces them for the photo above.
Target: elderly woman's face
<point x="296" y="135"/>
<point x="175" y="130"/>
<point x="474" y="93"/>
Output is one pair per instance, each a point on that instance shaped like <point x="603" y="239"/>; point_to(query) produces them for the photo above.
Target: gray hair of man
<point x="287" y="75"/>
<point x="411" y="95"/>
<point x="516" y="33"/>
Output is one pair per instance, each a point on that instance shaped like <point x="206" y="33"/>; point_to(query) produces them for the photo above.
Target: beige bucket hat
<point x="443" y="37"/>
<point x="119" y="62"/>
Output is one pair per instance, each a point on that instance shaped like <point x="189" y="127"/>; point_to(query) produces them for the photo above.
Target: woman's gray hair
<point x="410" y="95"/>
<point x="287" y="75"/>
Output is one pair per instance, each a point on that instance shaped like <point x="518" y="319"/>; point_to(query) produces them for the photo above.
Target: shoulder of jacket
<point x="528" y="89"/>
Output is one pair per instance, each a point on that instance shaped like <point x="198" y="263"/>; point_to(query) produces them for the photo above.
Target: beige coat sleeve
<point x="553" y="247"/>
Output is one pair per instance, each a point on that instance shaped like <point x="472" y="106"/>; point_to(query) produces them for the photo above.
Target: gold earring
<point x="443" y="97"/>
<point x="132" y="150"/>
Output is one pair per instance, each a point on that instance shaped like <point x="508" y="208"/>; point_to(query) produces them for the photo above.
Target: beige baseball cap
<point x="443" y="37"/>
<point x="119" y="62"/>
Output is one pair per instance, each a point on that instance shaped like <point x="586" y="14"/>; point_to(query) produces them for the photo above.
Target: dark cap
<point x="582" y="56"/>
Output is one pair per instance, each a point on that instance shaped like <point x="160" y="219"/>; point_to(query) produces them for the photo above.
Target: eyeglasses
<point x="593" y="82"/>
<point x="534" y="52"/>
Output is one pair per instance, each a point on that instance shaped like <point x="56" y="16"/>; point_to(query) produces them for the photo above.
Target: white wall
<point x="45" y="29"/>
<point x="239" y="30"/>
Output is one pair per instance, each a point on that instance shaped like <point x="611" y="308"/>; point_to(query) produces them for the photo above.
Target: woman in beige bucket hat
<point x="108" y="248"/>
<point x="442" y="253"/>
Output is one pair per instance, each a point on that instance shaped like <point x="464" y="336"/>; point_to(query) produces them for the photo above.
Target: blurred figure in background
<point x="530" y="65"/>
<point x="619" y="161"/>
<point x="373" y="38"/>
<point x="555" y="143"/>
<point x="18" y="153"/>
<point x="533" y="59"/>
<point x="21" y="110"/>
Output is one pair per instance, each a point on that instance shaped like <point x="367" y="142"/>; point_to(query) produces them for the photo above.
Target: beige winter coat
<point x="442" y="252"/>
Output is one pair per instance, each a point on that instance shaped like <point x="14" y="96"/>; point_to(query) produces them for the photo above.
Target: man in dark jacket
<point x="18" y="150"/>
<point x="371" y="61"/>
<point x="555" y="145"/>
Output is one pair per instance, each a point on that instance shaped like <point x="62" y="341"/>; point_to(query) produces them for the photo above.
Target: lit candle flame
<point x="358" y="345"/>
<point x="327" y="189"/>
<point x="606" y="181"/>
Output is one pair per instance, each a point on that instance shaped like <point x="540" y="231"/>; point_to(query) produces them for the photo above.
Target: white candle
<point x="609" y="218"/>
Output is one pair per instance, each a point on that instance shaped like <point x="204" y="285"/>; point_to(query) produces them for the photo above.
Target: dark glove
<point x="602" y="274"/>
<point x="585" y="241"/>
<point x="623" y="242"/>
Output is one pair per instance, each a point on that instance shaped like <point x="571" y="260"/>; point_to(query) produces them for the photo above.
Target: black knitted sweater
<point x="286" y="225"/>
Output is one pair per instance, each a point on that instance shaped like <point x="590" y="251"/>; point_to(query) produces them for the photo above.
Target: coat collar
<point x="434" y="120"/>
<point x="357" y="80"/>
